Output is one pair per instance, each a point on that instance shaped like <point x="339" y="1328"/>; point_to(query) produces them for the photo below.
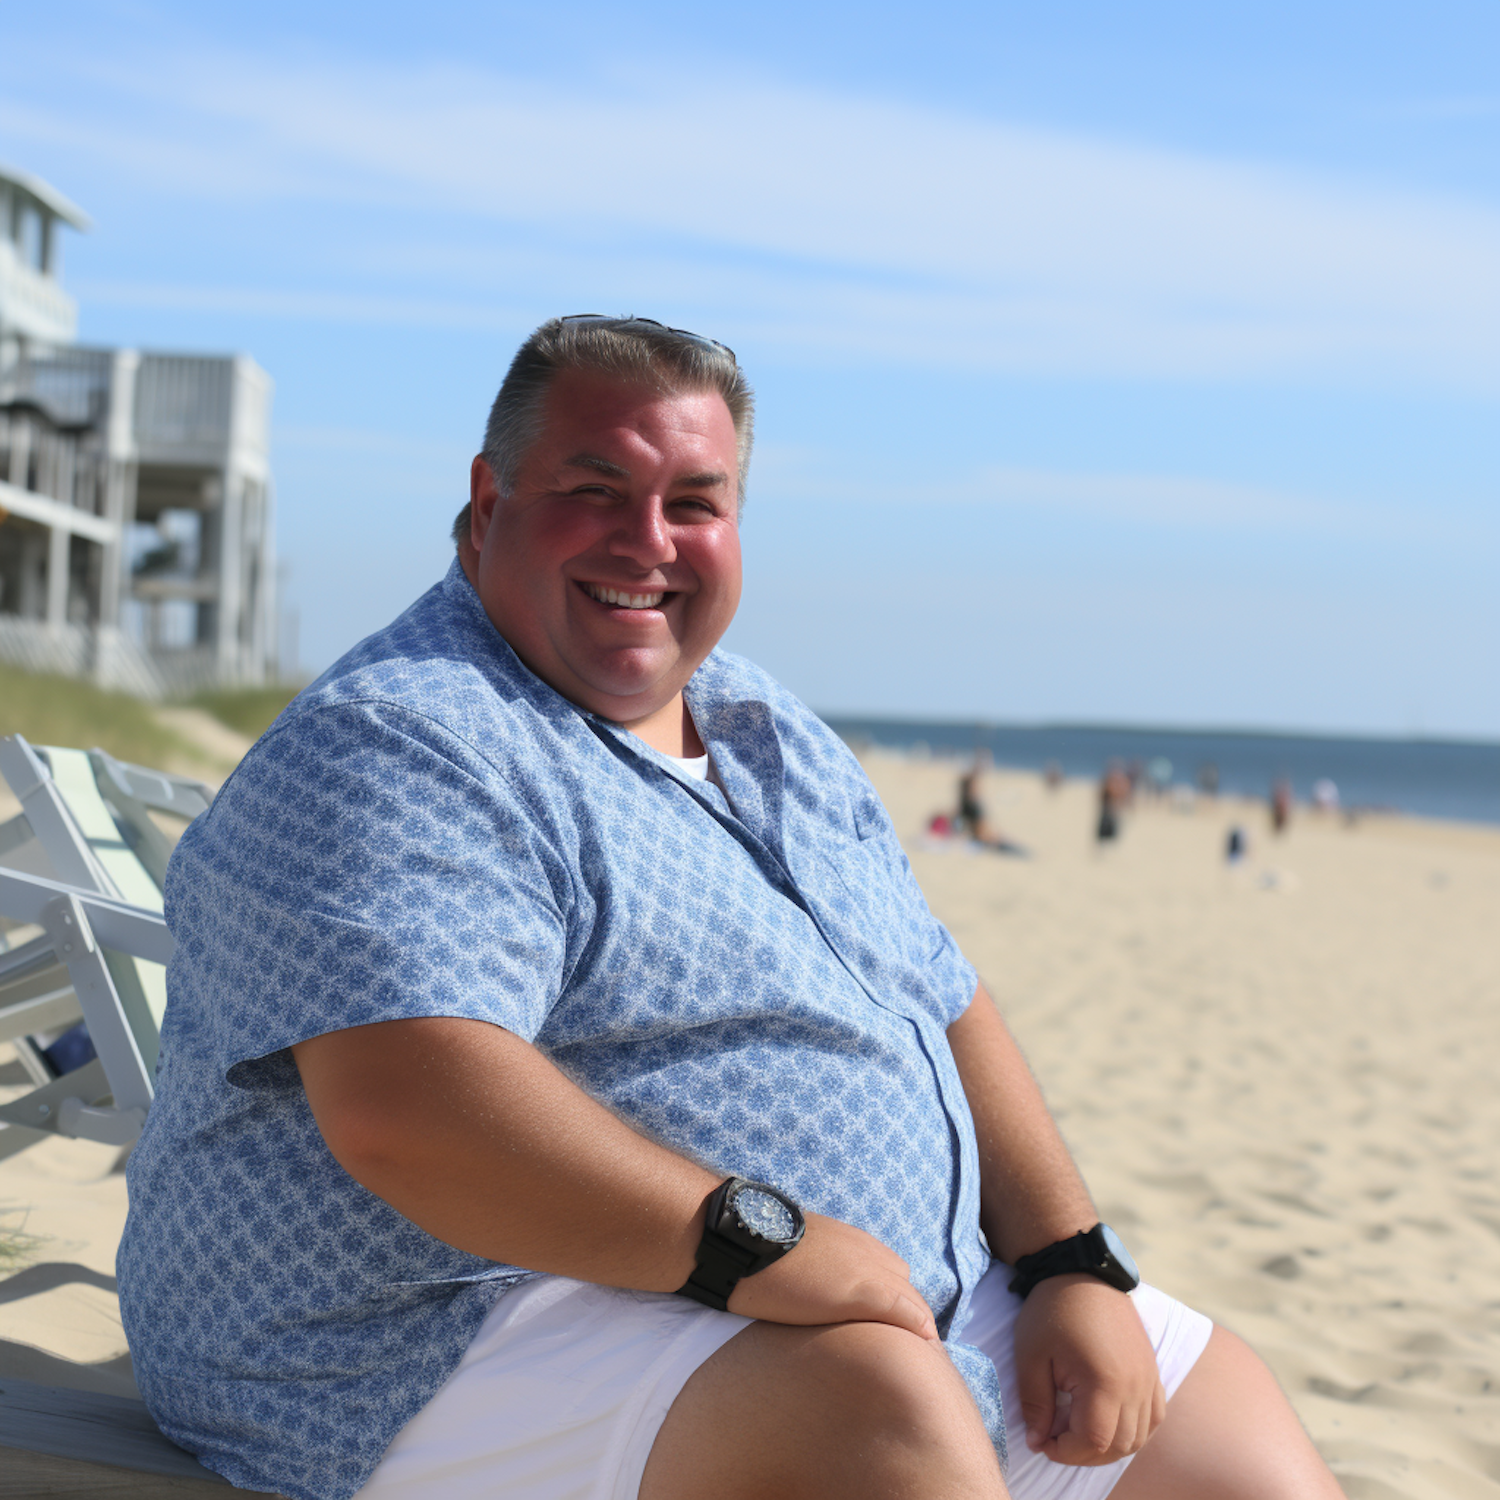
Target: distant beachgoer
<point x="970" y="816"/>
<point x="1052" y="775"/>
<point x="970" y="809"/>
<point x="1114" y="793"/>
<point x="1281" y="804"/>
<point x="1325" y="795"/>
<point x="1236" y="845"/>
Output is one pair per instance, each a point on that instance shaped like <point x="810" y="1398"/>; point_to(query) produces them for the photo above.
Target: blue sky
<point x="1114" y="363"/>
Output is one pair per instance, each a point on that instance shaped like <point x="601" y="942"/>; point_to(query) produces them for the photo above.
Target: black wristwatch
<point x="748" y="1226"/>
<point x="1098" y="1251"/>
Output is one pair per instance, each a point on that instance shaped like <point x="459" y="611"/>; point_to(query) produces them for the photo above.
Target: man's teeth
<point x="619" y="596"/>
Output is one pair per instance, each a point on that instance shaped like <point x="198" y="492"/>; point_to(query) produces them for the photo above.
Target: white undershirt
<point x="695" y="766"/>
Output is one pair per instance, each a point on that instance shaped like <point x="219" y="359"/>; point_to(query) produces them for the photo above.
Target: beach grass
<point x="51" y="710"/>
<point x="65" y="711"/>
<point x="248" y="711"/>
<point x="16" y="1249"/>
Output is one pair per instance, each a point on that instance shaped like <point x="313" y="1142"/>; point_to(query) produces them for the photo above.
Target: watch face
<point x="764" y="1215"/>
<point x="1120" y="1253"/>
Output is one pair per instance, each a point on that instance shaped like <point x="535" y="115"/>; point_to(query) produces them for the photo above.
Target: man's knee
<point x="878" y="1383"/>
<point x="853" y="1409"/>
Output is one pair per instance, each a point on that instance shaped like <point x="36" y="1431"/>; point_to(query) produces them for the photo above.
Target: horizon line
<point x="1099" y="725"/>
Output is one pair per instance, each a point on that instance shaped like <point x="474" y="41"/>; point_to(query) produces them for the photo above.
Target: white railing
<point x="182" y="400"/>
<point x="66" y="466"/>
<point x="112" y="659"/>
<point x="186" y="670"/>
<point x="71" y="385"/>
<point x="105" y="657"/>
<point x="34" y="303"/>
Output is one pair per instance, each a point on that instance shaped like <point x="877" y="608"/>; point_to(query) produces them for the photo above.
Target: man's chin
<point x="625" y="698"/>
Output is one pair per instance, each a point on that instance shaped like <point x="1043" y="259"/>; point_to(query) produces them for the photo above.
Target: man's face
<point x="613" y="567"/>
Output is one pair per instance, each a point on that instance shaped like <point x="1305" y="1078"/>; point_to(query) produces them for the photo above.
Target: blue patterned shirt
<point x="750" y="976"/>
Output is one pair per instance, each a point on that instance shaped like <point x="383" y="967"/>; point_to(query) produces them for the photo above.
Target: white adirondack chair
<point x="82" y="864"/>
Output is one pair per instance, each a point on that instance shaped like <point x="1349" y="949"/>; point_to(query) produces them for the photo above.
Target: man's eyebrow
<point x="706" y="479"/>
<point x="599" y="465"/>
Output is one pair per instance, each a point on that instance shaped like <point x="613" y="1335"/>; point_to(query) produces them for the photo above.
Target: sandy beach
<point x="1277" y="1078"/>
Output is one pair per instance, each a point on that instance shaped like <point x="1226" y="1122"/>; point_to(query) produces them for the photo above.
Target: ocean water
<point x="1431" y="778"/>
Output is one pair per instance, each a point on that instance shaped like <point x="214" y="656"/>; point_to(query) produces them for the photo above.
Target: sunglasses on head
<point x="687" y="333"/>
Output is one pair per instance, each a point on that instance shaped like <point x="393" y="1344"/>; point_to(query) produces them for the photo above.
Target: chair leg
<point x="38" y="1069"/>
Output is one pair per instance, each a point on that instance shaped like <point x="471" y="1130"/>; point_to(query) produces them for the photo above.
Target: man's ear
<point x="484" y="495"/>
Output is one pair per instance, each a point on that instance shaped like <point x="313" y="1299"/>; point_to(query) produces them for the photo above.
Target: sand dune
<point x="1279" y="1080"/>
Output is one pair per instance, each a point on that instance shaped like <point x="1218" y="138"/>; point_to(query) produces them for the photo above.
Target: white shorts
<point x="563" y="1391"/>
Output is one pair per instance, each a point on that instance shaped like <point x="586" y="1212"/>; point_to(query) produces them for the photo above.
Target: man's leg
<point x="1229" y="1434"/>
<point x="852" y="1411"/>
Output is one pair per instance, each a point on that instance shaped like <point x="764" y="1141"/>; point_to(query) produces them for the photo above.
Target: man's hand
<point x="838" y="1274"/>
<point x="1087" y="1373"/>
<point x="1089" y="1385"/>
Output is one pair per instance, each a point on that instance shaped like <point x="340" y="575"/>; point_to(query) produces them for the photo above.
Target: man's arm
<point x="1074" y="1334"/>
<point x="476" y="1137"/>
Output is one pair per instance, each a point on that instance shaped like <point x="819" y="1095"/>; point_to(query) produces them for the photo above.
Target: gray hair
<point x="636" y="351"/>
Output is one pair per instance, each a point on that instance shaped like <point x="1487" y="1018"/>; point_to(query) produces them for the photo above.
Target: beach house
<point x="136" y="503"/>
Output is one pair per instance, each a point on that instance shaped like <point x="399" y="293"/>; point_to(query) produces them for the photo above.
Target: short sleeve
<point x="954" y="977"/>
<point x="362" y="864"/>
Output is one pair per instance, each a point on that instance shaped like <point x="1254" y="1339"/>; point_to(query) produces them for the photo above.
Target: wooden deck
<point x="81" y="1444"/>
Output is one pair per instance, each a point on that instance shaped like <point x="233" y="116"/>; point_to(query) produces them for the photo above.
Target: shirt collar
<point x="497" y="654"/>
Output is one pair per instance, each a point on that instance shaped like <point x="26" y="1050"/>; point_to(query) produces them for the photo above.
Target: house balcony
<point x="32" y="304"/>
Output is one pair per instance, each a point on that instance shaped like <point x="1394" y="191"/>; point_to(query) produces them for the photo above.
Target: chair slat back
<point x="89" y="815"/>
<point x="142" y="985"/>
<point x="73" y="771"/>
<point x="83" y="929"/>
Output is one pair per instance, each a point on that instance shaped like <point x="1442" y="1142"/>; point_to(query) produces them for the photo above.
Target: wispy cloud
<point x="869" y="226"/>
<point x="319" y="306"/>
<point x="346" y="440"/>
<point x="1457" y="107"/>
<point x="1176" y="502"/>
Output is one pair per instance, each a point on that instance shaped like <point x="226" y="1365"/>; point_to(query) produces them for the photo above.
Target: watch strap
<point x="1083" y="1252"/>
<point x="721" y="1265"/>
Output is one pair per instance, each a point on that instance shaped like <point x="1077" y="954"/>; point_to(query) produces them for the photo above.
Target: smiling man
<point x="566" y="1093"/>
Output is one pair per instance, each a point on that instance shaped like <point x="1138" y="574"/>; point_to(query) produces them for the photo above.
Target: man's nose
<point x="643" y="535"/>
